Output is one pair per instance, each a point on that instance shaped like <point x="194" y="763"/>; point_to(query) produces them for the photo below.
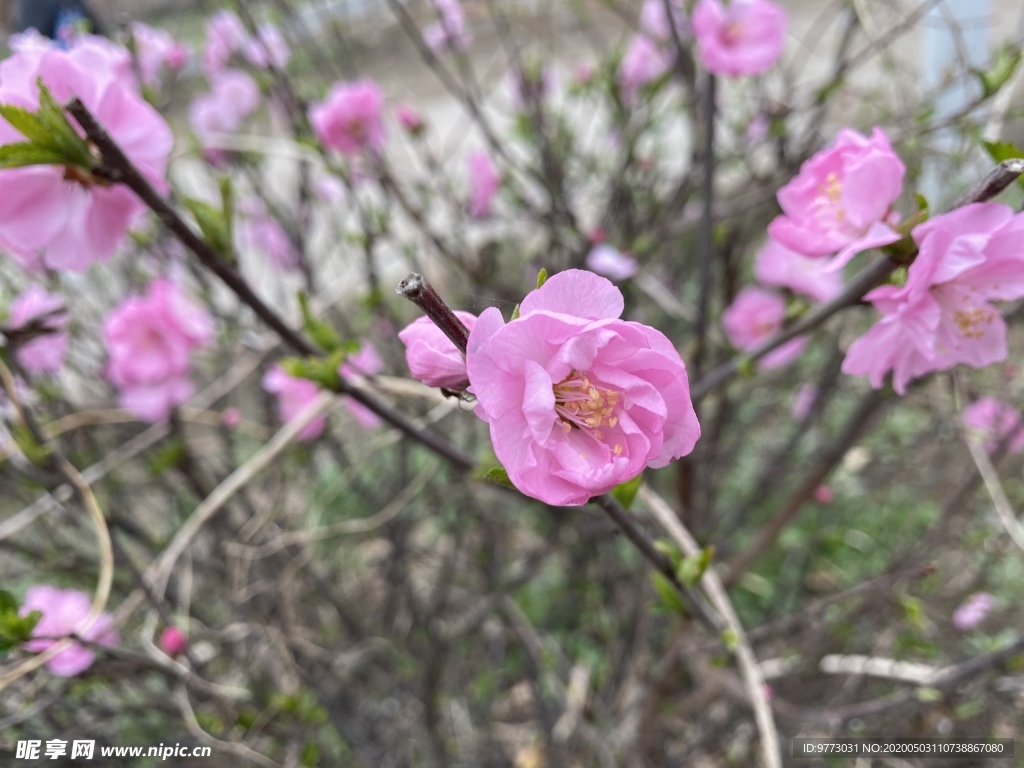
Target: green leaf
<point x="922" y="202"/>
<point x="626" y="492"/>
<point x="26" y="123"/>
<point x="62" y="135"/>
<point x="24" y="154"/>
<point x="1004" y="150"/>
<point x="1004" y="65"/>
<point x="542" y="277"/>
<point x="515" y="313"/>
<point x="730" y="639"/>
<point x="498" y="476"/>
<point x="316" y="369"/>
<point x="8" y="603"/>
<point x="691" y="569"/>
<point x="26" y="441"/>
<point x="669" y="596"/>
<point x="323" y="335"/>
<point x="170" y="455"/>
<point x="15" y="629"/>
<point x="213" y="225"/>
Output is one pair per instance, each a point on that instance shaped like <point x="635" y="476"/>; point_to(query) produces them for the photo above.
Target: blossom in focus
<point x="350" y="120"/>
<point x="267" y="49"/>
<point x="150" y="340"/>
<point x="973" y="610"/>
<point x="58" y="218"/>
<point x="293" y="395"/>
<point x="431" y="356"/>
<point x="578" y="400"/>
<point x="225" y="35"/>
<point x="990" y="421"/>
<point x="753" y="317"/>
<point x="449" y="31"/>
<point x="484" y="182"/>
<point x="745" y="37"/>
<point x="233" y="97"/>
<point x="780" y="266"/>
<point x="44" y="354"/>
<point x="942" y="316"/>
<point x="64" y="612"/>
<point x="156" y="50"/>
<point x="365" y="362"/>
<point x="654" y="21"/>
<point x="173" y="641"/>
<point x="840" y="199"/>
<point x="609" y="261"/>
<point x="643" y="63"/>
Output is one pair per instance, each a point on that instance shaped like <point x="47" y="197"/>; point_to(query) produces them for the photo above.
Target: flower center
<point x="971" y="322"/>
<point x="581" y="405"/>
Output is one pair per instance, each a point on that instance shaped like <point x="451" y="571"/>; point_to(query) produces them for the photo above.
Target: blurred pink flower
<point x="293" y="395"/>
<point x="841" y="198"/>
<point x="225" y="35"/>
<point x="753" y="317"/>
<point x="643" y="63"/>
<point x="173" y="641"/>
<point x="583" y="74"/>
<point x="349" y="120"/>
<point x="942" y="316"/>
<point x="44" y="354"/>
<point x="149" y="342"/>
<point x="779" y="266"/>
<point x="746" y="37"/>
<point x="449" y="31"/>
<point x="803" y="401"/>
<point x="824" y="495"/>
<point x="654" y="21"/>
<point x="757" y="130"/>
<point x="578" y="400"/>
<point x="431" y="356"/>
<point x="410" y="119"/>
<point x="231" y="417"/>
<point x="267" y="49"/>
<point x="973" y="611"/>
<point x="484" y="182"/>
<point x="609" y="261"/>
<point x="156" y="51"/>
<point x="261" y="232"/>
<point x="232" y="98"/>
<point x="65" y="219"/>
<point x="328" y="189"/>
<point x="64" y="613"/>
<point x="990" y="421"/>
<point x="365" y="362"/>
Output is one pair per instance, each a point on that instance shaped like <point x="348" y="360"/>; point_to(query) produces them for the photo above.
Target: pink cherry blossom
<point x="654" y="21"/>
<point x="262" y="233"/>
<point x="60" y="220"/>
<point x="173" y="641"/>
<point x="293" y="395"/>
<point x="328" y="189"/>
<point x="745" y="37"/>
<point x="365" y="362"/>
<point x="156" y="51"/>
<point x="431" y="356"/>
<point x="223" y="110"/>
<point x="484" y="182"/>
<point x="64" y="612"/>
<point x="991" y="421"/>
<point x="578" y="400"/>
<point x="225" y="35"/>
<point x="942" y="316"/>
<point x="824" y="495"/>
<point x="231" y="417"/>
<point x="753" y="317"/>
<point x="779" y="266"/>
<point x="643" y="63"/>
<point x="410" y="119"/>
<point x="449" y="31"/>
<point x="149" y="341"/>
<point x="609" y="261"/>
<point x="350" y="119"/>
<point x="267" y="49"/>
<point x="841" y="198"/>
<point x="44" y="354"/>
<point x="973" y="611"/>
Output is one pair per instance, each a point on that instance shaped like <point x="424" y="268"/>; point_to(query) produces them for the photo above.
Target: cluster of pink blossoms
<point x="223" y="110"/>
<point x="44" y="354"/>
<point x="56" y="218"/>
<point x="577" y="399"/>
<point x="743" y="37"/>
<point x="350" y="120"/>
<point x="942" y="316"/>
<point x="64" y="612"/>
<point x="227" y="36"/>
<point x="156" y="52"/>
<point x="990" y="421"/>
<point x="449" y="32"/>
<point x="150" y="340"/>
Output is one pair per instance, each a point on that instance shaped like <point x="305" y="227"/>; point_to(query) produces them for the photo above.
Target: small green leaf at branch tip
<point x="730" y="639"/>
<point x="214" y="227"/>
<point x="691" y="570"/>
<point x="542" y="277"/>
<point x="1005" y="62"/>
<point x="323" y="335"/>
<point x="670" y="550"/>
<point x="8" y="603"/>
<point x="316" y="369"/>
<point x="14" y="629"/>
<point x="515" y="313"/>
<point x="626" y="492"/>
<point x="23" y="154"/>
<point x="498" y="476"/>
<point x="922" y="203"/>
<point x="668" y="595"/>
